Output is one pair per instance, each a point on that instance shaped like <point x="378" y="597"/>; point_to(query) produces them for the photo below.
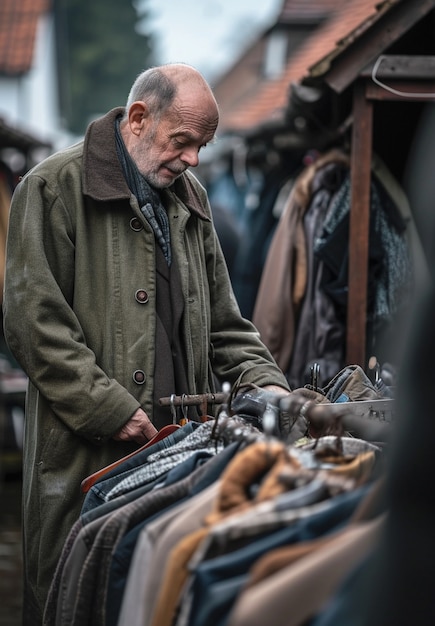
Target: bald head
<point x="160" y="86"/>
<point x="171" y="115"/>
<point x="180" y="72"/>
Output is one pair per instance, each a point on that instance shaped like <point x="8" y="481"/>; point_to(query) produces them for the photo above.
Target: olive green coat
<point x="78" y="251"/>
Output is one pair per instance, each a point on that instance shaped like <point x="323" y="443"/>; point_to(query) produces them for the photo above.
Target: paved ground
<point x="10" y="548"/>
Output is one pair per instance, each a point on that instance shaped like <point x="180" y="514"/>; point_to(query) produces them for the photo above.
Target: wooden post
<point x="361" y="157"/>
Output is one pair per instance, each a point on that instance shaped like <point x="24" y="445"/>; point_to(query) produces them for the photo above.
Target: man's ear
<point x="137" y="116"/>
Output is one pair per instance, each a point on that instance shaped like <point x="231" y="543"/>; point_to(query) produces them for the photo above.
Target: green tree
<point x="100" y="52"/>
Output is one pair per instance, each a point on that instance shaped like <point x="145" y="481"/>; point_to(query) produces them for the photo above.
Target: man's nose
<point x="190" y="156"/>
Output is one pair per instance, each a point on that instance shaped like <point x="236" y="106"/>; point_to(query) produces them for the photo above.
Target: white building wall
<point x="30" y="102"/>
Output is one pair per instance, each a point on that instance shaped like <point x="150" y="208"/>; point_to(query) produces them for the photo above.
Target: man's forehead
<point x="191" y="120"/>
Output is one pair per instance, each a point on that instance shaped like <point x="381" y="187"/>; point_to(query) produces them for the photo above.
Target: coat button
<point x="135" y="224"/>
<point x="141" y="296"/>
<point x="139" y="377"/>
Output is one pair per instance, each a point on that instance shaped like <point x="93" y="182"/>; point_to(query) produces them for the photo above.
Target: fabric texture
<point x="147" y="196"/>
<point x="252" y="478"/>
<point x="299" y="591"/>
<point x="284" y="278"/>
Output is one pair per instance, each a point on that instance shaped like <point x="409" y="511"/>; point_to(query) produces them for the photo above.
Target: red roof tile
<point x="270" y="101"/>
<point x="18" y="22"/>
<point x="306" y="10"/>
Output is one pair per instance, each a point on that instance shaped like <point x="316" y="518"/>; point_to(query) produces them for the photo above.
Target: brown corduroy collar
<point x="103" y="178"/>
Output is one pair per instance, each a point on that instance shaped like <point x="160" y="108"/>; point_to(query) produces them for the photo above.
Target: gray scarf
<point x="147" y="197"/>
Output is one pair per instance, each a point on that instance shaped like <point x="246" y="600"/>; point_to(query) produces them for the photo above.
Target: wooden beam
<point x="361" y="157"/>
<point x="361" y="49"/>
<point x="397" y="66"/>
<point x="402" y="91"/>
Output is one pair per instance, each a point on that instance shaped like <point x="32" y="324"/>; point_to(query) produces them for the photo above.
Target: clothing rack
<point x="269" y="494"/>
<point x="368" y="419"/>
<point x="202" y="400"/>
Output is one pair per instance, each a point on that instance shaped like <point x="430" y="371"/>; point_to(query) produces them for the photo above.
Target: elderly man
<point x="117" y="294"/>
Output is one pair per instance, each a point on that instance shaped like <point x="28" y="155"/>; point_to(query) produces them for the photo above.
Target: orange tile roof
<point x="18" y="22"/>
<point x="306" y="10"/>
<point x="327" y="41"/>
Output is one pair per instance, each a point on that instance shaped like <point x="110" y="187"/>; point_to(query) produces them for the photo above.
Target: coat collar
<point x="103" y="178"/>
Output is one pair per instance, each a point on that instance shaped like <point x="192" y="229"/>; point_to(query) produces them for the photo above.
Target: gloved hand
<point x="251" y="405"/>
<point x="293" y="423"/>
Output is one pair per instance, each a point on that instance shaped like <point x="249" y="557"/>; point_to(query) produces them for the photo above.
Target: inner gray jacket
<point x="78" y="253"/>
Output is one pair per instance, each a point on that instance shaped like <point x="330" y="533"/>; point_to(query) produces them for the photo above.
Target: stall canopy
<point x="367" y="71"/>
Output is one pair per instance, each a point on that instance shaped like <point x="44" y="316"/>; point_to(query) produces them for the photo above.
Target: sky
<point x="208" y="34"/>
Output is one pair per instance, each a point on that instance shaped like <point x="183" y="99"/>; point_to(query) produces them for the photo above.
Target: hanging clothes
<point x="79" y="589"/>
<point x="6" y="190"/>
<point x="239" y="528"/>
<point x="258" y="226"/>
<point x="169" y="538"/>
<point x="284" y="278"/>
<point x="301" y="306"/>
<point x="298" y="591"/>
<point x="320" y="332"/>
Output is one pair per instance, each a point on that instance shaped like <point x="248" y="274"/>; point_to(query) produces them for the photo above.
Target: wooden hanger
<point x="87" y="482"/>
<point x="173" y="401"/>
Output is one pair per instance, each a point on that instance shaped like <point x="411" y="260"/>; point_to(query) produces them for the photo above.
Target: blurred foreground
<point x="10" y="547"/>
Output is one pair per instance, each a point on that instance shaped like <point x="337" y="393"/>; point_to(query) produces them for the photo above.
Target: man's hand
<point x="277" y="389"/>
<point x="138" y="428"/>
